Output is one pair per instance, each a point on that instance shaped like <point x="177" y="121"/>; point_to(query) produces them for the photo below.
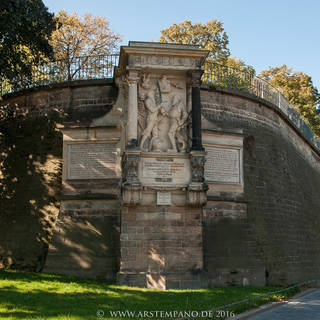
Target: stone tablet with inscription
<point x="161" y="171"/>
<point x="223" y="165"/>
<point x="163" y="198"/>
<point x="91" y="161"/>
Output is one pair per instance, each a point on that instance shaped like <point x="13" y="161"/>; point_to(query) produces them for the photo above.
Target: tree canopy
<point x="85" y="36"/>
<point x="298" y="89"/>
<point x="239" y="64"/>
<point x="25" y="27"/>
<point x="210" y="36"/>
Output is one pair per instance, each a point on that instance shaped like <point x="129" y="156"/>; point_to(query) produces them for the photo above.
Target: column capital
<point x="195" y="77"/>
<point x="133" y="75"/>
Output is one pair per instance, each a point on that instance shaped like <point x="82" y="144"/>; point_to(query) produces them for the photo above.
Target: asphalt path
<point x="306" y="307"/>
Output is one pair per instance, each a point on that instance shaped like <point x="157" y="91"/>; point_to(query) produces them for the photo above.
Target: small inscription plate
<point x="223" y="165"/>
<point x="91" y="161"/>
<point x="163" y="198"/>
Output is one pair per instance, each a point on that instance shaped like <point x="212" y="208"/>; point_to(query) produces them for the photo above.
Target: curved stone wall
<point x="30" y="181"/>
<point x="278" y="239"/>
<point x="266" y="233"/>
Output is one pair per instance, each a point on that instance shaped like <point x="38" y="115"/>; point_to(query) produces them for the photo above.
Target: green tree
<point x="25" y="27"/>
<point x="298" y="89"/>
<point x="220" y="69"/>
<point x="210" y="36"/>
<point x="86" y="37"/>
<point x="239" y="64"/>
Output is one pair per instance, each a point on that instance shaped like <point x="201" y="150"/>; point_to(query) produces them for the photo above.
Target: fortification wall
<point x="278" y="235"/>
<point x="268" y="232"/>
<point x="30" y="184"/>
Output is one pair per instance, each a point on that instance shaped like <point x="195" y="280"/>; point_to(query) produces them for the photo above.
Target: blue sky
<point x="262" y="33"/>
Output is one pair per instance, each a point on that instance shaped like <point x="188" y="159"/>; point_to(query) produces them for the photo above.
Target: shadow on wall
<point x="85" y="246"/>
<point x="30" y="170"/>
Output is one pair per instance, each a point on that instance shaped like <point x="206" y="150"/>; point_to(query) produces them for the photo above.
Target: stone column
<point x="132" y="114"/>
<point x="196" y="110"/>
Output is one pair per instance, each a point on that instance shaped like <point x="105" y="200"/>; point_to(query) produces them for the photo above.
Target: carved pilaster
<point x="197" y="168"/>
<point x="197" y="189"/>
<point x="132" y="114"/>
<point x="131" y="187"/>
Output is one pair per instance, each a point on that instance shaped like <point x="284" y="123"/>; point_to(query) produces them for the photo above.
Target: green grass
<point x="43" y="296"/>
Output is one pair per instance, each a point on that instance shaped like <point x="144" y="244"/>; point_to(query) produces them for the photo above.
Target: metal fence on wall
<point x="224" y="76"/>
<point x="102" y="67"/>
<point x="80" y="68"/>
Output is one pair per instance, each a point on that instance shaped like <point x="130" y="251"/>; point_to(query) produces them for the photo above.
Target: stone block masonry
<point x="86" y="240"/>
<point x="161" y="246"/>
<point x="277" y="241"/>
<point x="140" y="201"/>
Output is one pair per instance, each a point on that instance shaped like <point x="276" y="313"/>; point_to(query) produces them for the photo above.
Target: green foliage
<point x="299" y="90"/>
<point x="220" y="69"/>
<point x="234" y="73"/>
<point x="42" y="296"/>
<point x="82" y="36"/>
<point x="239" y="64"/>
<point x="25" y="27"/>
<point x="209" y="36"/>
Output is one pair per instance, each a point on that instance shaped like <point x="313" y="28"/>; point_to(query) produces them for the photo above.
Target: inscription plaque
<point x="91" y="161"/>
<point x="223" y="165"/>
<point x="165" y="171"/>
<point x="161" y="168"/>
<point x="163" y="198"/>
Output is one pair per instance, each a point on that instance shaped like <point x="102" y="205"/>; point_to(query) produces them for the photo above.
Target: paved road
<point x="303" y="308"/>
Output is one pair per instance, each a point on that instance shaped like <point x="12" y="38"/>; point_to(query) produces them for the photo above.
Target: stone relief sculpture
<point x="164" y="114"/>
<point x="152" y="118"/>
<point x="177" y="119"/>
<point x="165" y="85"/>
<point x="146" y="81"/>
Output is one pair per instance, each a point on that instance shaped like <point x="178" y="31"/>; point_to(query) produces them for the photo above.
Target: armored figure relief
<point x="177" y="120"/>
<point x="152" y="118"/>
<point x="163" y="115"/>
<point x="165" y="85"/>
<point x="146" y="81"/>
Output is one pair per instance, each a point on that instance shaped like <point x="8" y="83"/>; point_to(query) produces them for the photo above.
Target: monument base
<point x="164" y="280"/>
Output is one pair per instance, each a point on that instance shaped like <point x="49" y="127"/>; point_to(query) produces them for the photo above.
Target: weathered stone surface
<point x="80" y="101"/>
<point x="276" y="241"/>
<point x="91" y="161"/>
<point x="263" y="229"/>
<point x="154" y="239"/>
<point x="86" y="240"/>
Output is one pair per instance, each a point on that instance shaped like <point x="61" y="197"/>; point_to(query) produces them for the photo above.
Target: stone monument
<point x="163" y="187"/>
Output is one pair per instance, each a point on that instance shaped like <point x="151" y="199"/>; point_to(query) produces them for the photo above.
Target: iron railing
<point x="225" y="76"/>
<point x="102" y="67"/>
<point x="79" y="68"/>
<point x="228" y="77"/>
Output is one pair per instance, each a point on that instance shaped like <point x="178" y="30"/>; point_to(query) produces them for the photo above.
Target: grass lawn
<point x="43" y="296"/>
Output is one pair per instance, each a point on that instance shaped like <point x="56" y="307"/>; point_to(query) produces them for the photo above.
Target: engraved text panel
<point x="223" y="165"/>
<point x="91" y="161"/>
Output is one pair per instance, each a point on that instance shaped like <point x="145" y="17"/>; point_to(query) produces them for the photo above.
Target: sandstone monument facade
<point x="170" y="183"/>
